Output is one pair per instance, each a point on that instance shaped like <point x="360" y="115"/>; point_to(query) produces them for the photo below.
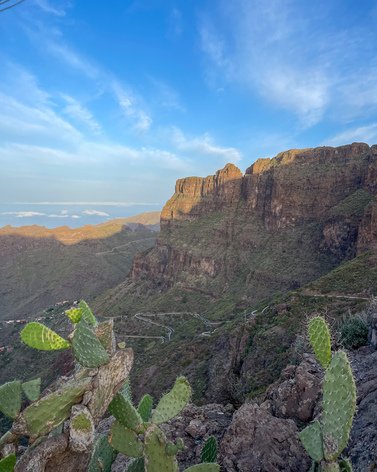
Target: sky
<point x="104" y="105"/>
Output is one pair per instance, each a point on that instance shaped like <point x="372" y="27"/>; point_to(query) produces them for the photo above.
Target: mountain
<point x="241" y="262"/>
<point x="230" y="240"/>
<point x="41" y="266"/>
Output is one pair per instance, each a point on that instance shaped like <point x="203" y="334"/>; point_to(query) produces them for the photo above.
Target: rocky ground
<point x="262" y="436"/>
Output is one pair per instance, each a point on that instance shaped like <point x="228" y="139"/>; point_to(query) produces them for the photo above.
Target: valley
<point x="223" y="293"/>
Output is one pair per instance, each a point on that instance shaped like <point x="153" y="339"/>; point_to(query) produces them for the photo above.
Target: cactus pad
<point x="88" y="351"/>
<point x="103" y="455"/>
<point x="209" y="451"/>
<point x="45" y="414"/>
<point x="173" y="402"/>
<point x="339" y="405"/>
<point x="87" y="314"/>
<point x="330" y="467"/>
<point x="145" y="407"/>
<point x="32" y="389"/>
<point x="136" y="465"/>
<point x="125" y="412"/>
<point x="38" y="336"/>
<point x="345" y="465"/>
<point x="320" y="340"/>
<point x="156" y="458"/>
<point x="311" y="438"/>
<point x="126" y="390"/>
<point x="173" y="449"/>
<point x="7" y="464"/>
<point x="125" y="440"/>
<point x="204" y="467"/>
<point x="74" y="314"/>
<point x="10" y="398"/>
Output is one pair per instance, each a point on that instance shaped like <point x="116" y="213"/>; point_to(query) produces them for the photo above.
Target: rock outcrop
<point x="260" y="442"/>
<point x="285" y="222"/>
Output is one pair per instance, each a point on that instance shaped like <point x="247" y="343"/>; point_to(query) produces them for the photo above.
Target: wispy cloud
<point x="366" y="134"/>
<point x="47" y="7"/>
<point x="55" y="45"/>
<point x="94" y="213"/>
<point x="289" y="53"/>
<point x="166" y="96"/>
<point x="203" y="146"/>
<point x="128" y="104"/>
<point x="175" y="23"/>
<point x="81" y="114"/>
<point x="23" y="214"/>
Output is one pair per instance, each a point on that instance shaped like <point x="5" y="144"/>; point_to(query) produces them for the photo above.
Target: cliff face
<point x="287" y="221"/>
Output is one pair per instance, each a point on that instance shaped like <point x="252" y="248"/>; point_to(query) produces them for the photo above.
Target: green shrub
<point x="354" y="333"/>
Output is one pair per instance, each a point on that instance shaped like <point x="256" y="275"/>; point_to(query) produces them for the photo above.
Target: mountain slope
<point x="241" y="238"/>
<point x="41" y="266"/>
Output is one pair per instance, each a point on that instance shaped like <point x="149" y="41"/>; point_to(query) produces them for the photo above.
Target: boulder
<point x="256" y="441"/>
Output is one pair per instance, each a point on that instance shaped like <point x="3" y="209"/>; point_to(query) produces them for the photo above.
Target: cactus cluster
<point x="45" y="415"/>
<point x="136" y="433"/>
<point x="325" y="440"/>
<point x="74" y="407"/>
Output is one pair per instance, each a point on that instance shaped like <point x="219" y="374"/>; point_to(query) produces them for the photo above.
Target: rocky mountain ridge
<point x="286" y="221"/>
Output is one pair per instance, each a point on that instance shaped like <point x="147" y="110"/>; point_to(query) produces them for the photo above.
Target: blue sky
<point x="113" y="101"/>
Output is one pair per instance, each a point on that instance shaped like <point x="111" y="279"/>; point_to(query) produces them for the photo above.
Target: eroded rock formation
<point x="287" y="221"/>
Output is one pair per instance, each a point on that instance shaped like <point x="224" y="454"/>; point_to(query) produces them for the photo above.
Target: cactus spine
<point x="325" y="440"/>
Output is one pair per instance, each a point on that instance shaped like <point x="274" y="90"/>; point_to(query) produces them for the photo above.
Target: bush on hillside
<point x="354" y="333"/>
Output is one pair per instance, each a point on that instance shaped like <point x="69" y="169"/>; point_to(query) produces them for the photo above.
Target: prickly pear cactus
<point x="209" y="451"/>
<point x="325" y="440"/>
<point x="7" y="464"/>
<point x="155" y="456"/>
<point x="320" y="339"/>
<point x="32" y="389"/>
<point x="87" y="314"/>
<point x="125" y="440"/>
<point x="103" y="455"/>
<point x="311" y="438"/>
<point x="87" y="349"/>
<point x="330" y="467"/>
<point x="145" y="407"/>
<point x="345" y="465"/>
<point x="137" y="465"/>
<point x="173" y="449"/>
<point x="339" y="405"/>
<point x="10" y="398"/>
<point x="123" y="410"/>
<point x="74" y="314"/>
<point x="39" y="336"/>
<point x="126" y="390"/>
<point x="173" y="402"/>
<point x="45" y="414"/>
